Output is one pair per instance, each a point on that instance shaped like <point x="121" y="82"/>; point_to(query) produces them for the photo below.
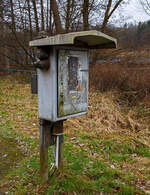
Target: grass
<point x="105" y="152"/>
<point x="129" y="74"/>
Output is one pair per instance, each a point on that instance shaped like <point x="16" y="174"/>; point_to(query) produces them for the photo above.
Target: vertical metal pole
<point x="44" y="143"/>
<point x="57" y="151"/>
<point x="58" y="129"/>
<point x="60" y="158"/>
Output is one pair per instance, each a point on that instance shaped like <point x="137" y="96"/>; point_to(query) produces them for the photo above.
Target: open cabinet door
<point x="72" y="82"/>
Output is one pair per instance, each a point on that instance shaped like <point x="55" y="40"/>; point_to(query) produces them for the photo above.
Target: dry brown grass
<point x="107" y="118"/>
<point x="127" y="75"/>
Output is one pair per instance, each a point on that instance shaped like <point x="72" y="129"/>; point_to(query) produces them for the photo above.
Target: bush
<point x="119" y="76"/>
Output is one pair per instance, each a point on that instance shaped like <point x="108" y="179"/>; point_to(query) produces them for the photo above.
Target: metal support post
<point x="49" y="131"/>
<point x="44" y="143"/>
<point x="58" y="132"/>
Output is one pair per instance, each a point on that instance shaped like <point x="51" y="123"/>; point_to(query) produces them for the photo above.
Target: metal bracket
<point x="49" y="125"/>
<point x="61" y="137"/>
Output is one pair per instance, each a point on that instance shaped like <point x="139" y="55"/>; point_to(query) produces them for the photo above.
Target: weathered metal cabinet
<point x="63" y="88"/>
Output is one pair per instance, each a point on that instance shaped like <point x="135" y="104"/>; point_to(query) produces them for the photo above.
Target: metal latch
<point x="84" y="70"/>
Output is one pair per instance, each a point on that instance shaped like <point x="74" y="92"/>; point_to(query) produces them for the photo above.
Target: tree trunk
<point x="47" y="16"/>
<point x="86" y="15"/>
<point x="12" y="16"/>
<point x="30" y="20"/>
<point x="35" y="15"/>
<point x="57" y="21"/>
<point x="42" y="16"/>
<point x="67" y="25"/>
<point x="21" y="15"/>
<point x="3" y="35"/>
<point x="50" y="21"/>
<point x="108" y="15"/>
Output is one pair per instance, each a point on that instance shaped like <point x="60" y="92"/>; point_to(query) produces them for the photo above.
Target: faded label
<point x="73" y="65"/>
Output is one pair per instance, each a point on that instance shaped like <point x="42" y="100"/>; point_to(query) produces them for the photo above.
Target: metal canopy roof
<point x="87" y="39"/>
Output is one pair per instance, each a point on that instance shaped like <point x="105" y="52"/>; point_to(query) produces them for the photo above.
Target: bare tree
<point x="67" y="23"/>
<point x="23" y="19"/>
<point x="86" y="14"/>
<point x="42" y="15"/>
<point x="36" y="15"/>
<point x="57" y="20"/>
<point x="12" y="16"/>
<point x="146" y="6"/>
<point x="47" y="15"/>
<point x="3" y="48"/>
<point x="30" y="18"/>
<point x="109" y="11"/>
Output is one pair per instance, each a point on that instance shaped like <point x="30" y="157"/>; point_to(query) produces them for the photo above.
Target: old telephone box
<point x="63" y="68"/>
<point x="63" y="85"/>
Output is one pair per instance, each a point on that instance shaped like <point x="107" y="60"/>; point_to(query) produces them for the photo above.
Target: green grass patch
<point x="93" y="163"/>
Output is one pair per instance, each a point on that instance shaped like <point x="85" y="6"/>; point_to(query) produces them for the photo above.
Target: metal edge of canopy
<point x="88" y="39"/>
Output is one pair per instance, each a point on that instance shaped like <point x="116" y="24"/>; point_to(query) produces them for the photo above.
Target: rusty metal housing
<point x="63" y="88"/>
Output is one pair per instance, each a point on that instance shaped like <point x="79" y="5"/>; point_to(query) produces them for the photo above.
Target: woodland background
<point x="124" y="68"/>
<point x="22" y="20"/>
